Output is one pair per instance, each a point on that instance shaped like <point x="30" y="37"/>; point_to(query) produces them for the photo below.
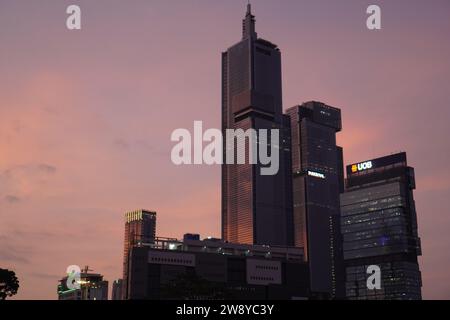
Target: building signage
<point x="362" y="166"/>
<point x="316" y="174"/>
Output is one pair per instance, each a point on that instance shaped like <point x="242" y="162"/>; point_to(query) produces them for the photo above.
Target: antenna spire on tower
<point x="248" y="25"/>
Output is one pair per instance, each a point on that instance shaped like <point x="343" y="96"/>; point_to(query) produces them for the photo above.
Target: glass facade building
<point x="256" y="209"/>
<point x="140" y="227"/>
<point x="318" y="180"/>
<point x="379" y="227"/>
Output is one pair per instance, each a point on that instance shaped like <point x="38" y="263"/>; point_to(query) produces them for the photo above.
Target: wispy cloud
<point x="46" y="168"/>
<point x="18" y="181"/>
<point x="12" y="252"/>
<point x="12" y="199"/>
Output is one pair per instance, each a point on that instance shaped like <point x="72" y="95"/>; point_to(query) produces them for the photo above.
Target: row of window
<point x="262" y="278"/>
<point x="266" y="267"/>
<point x="171" y="260"/>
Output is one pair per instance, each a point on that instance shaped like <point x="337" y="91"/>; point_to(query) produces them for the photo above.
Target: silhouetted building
<point x="256" y="209"/>
<point x="214" y="269"/>
<point x="140" y="227"/>
<point x="318" y="180"/>
<point x="117" y="288"/>
<point x="92" y="287"/>
<point x="379" y="227"/>
<point x="191" y="236"/>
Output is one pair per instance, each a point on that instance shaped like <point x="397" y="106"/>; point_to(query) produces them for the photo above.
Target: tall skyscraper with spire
<point x="256" y="209"/>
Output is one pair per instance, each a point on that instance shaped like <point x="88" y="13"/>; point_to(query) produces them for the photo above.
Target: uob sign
<point x="362" y="166"/>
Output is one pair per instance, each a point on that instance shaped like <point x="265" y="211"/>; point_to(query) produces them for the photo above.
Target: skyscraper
<point x="256" y="209"/>
<point x="379" y="226"/>
<point x="140" y="227"/>
<point x="318" y="179"/>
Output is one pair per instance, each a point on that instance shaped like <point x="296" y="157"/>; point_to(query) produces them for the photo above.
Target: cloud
<point x="11" y="252"/>
<point x="46" y="168"/>
<point x="28" y="169"/>
<point x="20" y="181"/>
<point x="12" y="199"/>
<point x="13" y="257"/>
<point x="121" y="144"/>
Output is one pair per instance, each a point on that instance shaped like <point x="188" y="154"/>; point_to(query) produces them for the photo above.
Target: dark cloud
<point x="46" y="168"/>
<point x="13" y="257"/>
<point x="121" y="144"/>
<point x="28" y="169"/>
<point x="12" y="179"/>
<point x="12" y="199"/>
<point x="60" y="230"/>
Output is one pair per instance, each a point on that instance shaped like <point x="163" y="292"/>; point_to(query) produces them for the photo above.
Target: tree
<point x="9" y="284"/>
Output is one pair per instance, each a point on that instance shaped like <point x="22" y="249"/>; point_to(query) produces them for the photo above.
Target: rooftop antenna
<point x="86" y="269"/>
<point x="248" y="25"/>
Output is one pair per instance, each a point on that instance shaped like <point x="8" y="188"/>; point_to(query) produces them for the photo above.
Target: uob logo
<point x="362" y="166"/>
<point x="365" y="165"/>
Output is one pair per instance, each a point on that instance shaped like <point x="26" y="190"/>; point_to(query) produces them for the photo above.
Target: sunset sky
<point x="86" y="116"/>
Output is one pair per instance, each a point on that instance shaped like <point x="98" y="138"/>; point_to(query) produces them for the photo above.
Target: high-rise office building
<point x="318" y="180"/>
<point x="140" y="227"/>
<point x="379" y="226"/>
<point x="256" y="209"/>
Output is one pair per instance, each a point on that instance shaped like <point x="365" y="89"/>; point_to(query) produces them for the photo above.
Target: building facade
<point x="318" y="180"/>
<point x="140" y="227"/>
<point x="379" y="227"/>
<point x="92" y="287"/>
<point x="214" y="269"/>
<point x="117" y="288"/>
<point x="256" y="209"/>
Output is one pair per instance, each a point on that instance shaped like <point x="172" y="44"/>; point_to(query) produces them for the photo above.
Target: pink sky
<point x="86" y="116"/>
